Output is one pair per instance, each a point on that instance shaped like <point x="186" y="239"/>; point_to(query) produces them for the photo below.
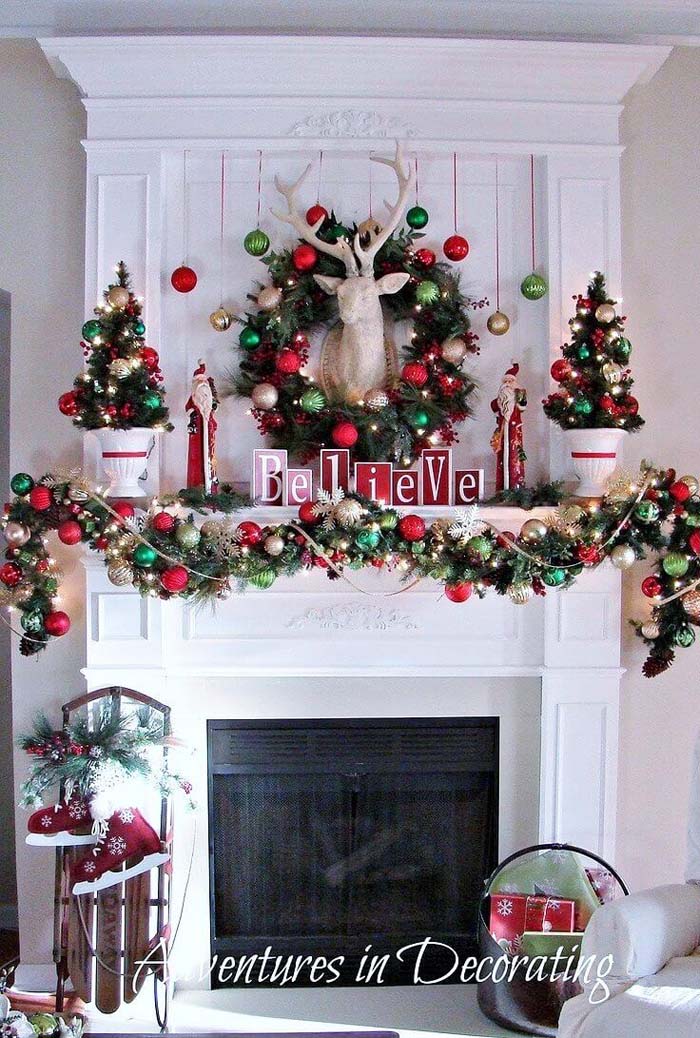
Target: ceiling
<point x="637" y="21"/>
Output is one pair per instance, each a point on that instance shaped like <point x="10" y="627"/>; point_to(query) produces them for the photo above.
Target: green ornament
<point x="312" y="401"/>
<point x="675" y="564"/>
<point x="647" y="512"/>
<point x="32" y="621"/>
<point x="388" y="520"/>
<point x="21" y="483"/>
<point x="583" y="405"/>
<point x="26" y="557"/>
<point x="583" y="352"/>
<point x="336" y="232"/>
<point x="367" y="540"/>
<point x="256" y="243"/>
<point x="554" y="577"/>
<point x="427" y="292"/>
<point x="91" y="329"/>
<point x="421" y="419"/>
<point x="684" y="637"/>
<point x="693" y="520"/>
<point x="187" y="536"/>
<point x="152" y="400"/>
<point x="51" y="586"/>
<point x="417" y="217"/>
<point x="480" y="546"/>
<point x="145" y="555"/>
<point x="418" y="548"/>
<point x="249" y="338"/>
<point x="576" y="571"/>
<point x="139" y="328"/>
<point x="264" y="579"/>
<point x="623" y="348"/>
<point x="533" y="287"/>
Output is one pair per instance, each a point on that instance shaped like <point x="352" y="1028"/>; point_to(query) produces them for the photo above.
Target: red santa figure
<point x="201" y="451"/>
<point x="507" y="440"/>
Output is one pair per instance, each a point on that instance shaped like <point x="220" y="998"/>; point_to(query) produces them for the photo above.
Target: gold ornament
<point x="369" y="230"/>
<point x="120" y="574"/>
<point x="691" y="603"/>
<point x="23" y="594"/>
<point x="498" y="323"/>
<point x="605" y="313"/>
<point x="118" y="297"/>
<point x="623" y="556"/>
<point x="274" y="545"/>
<point x="348" y="512"/>
<point x="691" y="483"/>
<point x="78" y="494"/>
<point x="612" y="372"/>
<point x="621" y="486"/>
<point x="651" y="630"/>
<point x="270" y="298"/>
<point x="533" y="530"/>
<point x="520" y="593"/>
<point x="220" y="320"/>
<point x="264" y="396"/>
<point x="454" y="351"/>
<point x="120" y="368"/>
<point x="17" y="534"/>
<point x="376" y="400"/>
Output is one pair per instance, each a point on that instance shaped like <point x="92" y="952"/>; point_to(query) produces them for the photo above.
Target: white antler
<point x="341" y="249"/>
<point x="406" y="181"/>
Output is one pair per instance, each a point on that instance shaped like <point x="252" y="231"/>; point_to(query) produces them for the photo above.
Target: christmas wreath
<point x="421" y="403"/>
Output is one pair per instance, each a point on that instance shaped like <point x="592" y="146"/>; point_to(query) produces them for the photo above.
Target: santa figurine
<point x="201" y="451"/>
<point x="507" y="440"/>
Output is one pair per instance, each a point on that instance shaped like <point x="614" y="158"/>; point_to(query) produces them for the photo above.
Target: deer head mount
<point x="356" y="358"/>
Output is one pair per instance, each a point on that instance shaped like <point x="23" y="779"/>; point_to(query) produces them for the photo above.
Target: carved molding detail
<point x="352" y="122"/>
<point x="352" y="618"/>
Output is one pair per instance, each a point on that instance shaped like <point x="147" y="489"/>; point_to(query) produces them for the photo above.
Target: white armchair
<point x="654" y="940"/>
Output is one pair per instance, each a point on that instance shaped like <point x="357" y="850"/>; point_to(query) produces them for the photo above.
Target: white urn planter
<point x="595" y="454"/>
<point x="124" y="459"/>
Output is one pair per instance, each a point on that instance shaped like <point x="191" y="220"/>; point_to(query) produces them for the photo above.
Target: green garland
<point x="412" y="414"/>
<point x="171" y="556"/>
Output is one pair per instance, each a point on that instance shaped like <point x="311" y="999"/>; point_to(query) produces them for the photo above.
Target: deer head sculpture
<point x="356" y="358"/>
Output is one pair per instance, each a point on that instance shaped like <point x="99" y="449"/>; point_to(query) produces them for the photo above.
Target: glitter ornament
<point x="520" y="593"/>
<point x="454" y="351"/>
<point x="623" y="556"/>
<point x="120" y="574"/>
<point x="264" y="396"/>
<point x="691" y="603"/>
<point x="533" y="287"/>
<point x="17" y="534"/>
<point x="220" y="319"/>
<point x="10" y="574"/>
<point x="498" y="323"/>
<point x="256" y="243"/>
<point x="560" y="370"/>
<point x="460" y="591"/>
<point x="675" y="564"/>
<point x="344" y="435"/>
<point x="412" y="528"/>
<point x="288" y="362"/>
<point x="187" y="536"/>
<point x="270" y="298"/>
<point x="274" y="545"/>
<point x="118" y="297"/>
<point x="605" y="313"/>
<point x="348" y="512"/>
<point x="426" y="258"/>
<point x="376" y="400"/>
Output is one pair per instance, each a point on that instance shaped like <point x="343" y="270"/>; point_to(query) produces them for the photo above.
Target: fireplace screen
<point x="329" y="836"/>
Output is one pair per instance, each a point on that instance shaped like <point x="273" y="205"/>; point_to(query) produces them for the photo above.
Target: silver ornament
<point x="605" y="313"/>
<point x="264" y="396"/>
<point x="348" y="512"/>
<point x="270" y="298"/>
<point x="376" y="400"/>
<point x="120" y="574"/>
<point x="120" y="368"/>
<point x="533" y="530"/>
<point x="612" y="372"/>
<point x="454" y="351"/>
<point x="623" y="556"/>
<point x="651" y="630"/>
<point x="220" y="319"/>
<point x="118" y="297"/>
<point x="17" y="534"/>
<point x="691" y="483"/>
<point x="274" y="545"/>
<point x="210" y="528"/>
<point x="520" y="593"/>
<point x="691" y="603"/>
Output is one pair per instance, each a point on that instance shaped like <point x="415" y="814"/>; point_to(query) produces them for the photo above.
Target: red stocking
<point x="128" y="835"/>
<point x="61" y="825"/>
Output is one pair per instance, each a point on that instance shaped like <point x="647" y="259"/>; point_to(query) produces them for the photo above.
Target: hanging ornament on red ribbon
<point x="256" y="243"/>
<point x="456" y="248"/>
<point x="183" y="278"/>
<point x="498" y="323"/>
<point x="533" y="286"/>
<point x="220" y="319"/>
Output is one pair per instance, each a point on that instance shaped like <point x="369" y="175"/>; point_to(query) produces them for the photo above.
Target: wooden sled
<point x="127" y="923"/>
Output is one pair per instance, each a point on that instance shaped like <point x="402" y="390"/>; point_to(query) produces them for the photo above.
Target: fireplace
<point x="329" y="836"/>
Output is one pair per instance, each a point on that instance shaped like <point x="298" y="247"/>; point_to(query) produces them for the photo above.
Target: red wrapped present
<point x="604" y="884"/>
<point x="512" y="914"/>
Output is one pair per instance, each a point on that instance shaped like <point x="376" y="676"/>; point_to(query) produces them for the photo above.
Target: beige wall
<point x="41" y="265"/>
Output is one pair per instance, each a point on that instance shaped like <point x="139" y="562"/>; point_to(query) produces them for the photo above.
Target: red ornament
<point x="174" y="579"/>
<point x="288" y="362"/>
<point x="123" y="509"/>
<point x="57" y="623"/>
<point x="588" y="554"/>
<point x="127" y="410"/>
<point x="459" y="592"/>
<point x="345" y="434"/>
<point x="316" y="213"/>
<point x="100" y="543"/>
<point x="506" y="539"/>
<point x="679" y="491"/>
<point x="70" y="532"/>
<point x="150" y="358"/>
<point x="307" y="515"/>
<point x="68" y="404"/>
<point x="249" y="532"/>
<point x="415" y="374"/>
<point x="560" y="370"/>
<point x="426" y="257"/>
<point x="10" y="574"/>
<point x="411" y="527"/>
<point x="183" y="279"/>
<point x="607" y="403"/>
<point x="652" y="586"/>
<point x="631" y="405"/>
<point x="40" y="498"/>
<point x="42" y="566"/>
<point x="694" y="542"/>
<point x="163" y="522"/>
<point x="456" y="248"/>
<point x="304" y="258"/>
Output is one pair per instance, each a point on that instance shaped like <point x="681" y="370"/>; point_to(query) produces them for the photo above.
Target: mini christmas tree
<point x="121" y="386"/>
<point x="594" y="380"/>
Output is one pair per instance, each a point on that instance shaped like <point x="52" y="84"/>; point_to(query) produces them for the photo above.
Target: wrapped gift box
<point x="548" y="944"/>
<point x="604" y="884"/>
<point x="512" y="914"/>
<point x="557" y="873"/>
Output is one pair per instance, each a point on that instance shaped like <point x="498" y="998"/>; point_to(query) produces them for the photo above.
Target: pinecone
<point x="658" y="663"/>
<point x="30" y="648"/>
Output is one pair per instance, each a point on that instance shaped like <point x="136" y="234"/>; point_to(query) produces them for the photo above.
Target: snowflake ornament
<point x="326" y="505"/>
<point x="466" y="524"/>
<point x="116" y="845"/>
<point x="226" y="541"/>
